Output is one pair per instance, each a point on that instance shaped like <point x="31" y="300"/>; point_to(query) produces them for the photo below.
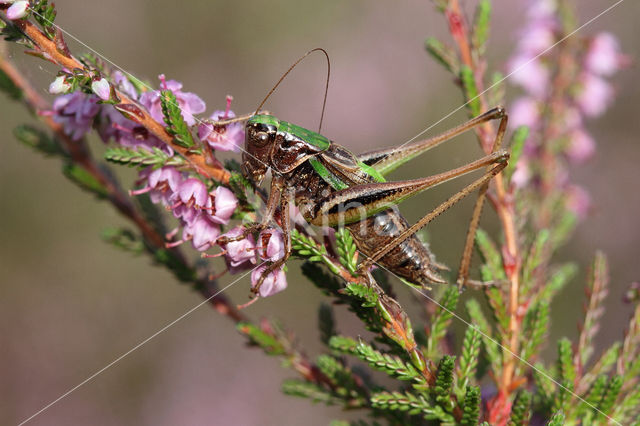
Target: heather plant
<point x="493" y="372"/>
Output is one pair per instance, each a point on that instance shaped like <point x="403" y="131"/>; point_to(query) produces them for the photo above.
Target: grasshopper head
<point x="260" y="138"/>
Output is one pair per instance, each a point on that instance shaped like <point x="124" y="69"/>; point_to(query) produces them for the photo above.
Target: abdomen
<point x="410" y="260"/>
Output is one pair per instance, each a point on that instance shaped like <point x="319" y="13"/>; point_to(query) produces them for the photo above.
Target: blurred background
<point x="70" y="304"/>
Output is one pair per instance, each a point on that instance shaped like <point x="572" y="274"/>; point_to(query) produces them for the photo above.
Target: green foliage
<point x="557" y="419"/>
<point x="38" y="140"/>
<point x="442" y="54"/>
<point x="306" y="247"/>
<point x="535" y="259"/>
<point x="470" y="90"/>
<point x="44" y="14"/>
<point x="471" y="406"/>
<point x="567" y="375"/>
<point x="142" y="157"/>
<point x="408" y="402"/>
<point x="521" y="409"/>
<point x="367" y="294"/>
<point x="8" y="87"/>
<point x="492" y="350"/>
<point x="597" y="289"/>
<point x="535" y="329"/>
<point x="123" y="239"/>
<point x="468" y="358"/>
<point x="309" y="390"/>
<point x="176" y="126"/>
<point x="392" y="365"/>
<point x="481" y="25"/>
<point x="346" y="250"/>
<point x="267" y="341"/>
<point x="442" y="318"/>
<point x="491" y="257"/>
<point x="444" y="381"/>
<point x="559" y="278"/>
<point x="85" y="180"/>
<point x="342" y="344"/>
<point x="611" y="394"/>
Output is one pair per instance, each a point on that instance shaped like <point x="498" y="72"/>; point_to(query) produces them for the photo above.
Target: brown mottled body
<point x="410" y="260"/>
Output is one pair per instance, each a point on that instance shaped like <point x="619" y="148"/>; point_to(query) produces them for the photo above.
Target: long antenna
<point x="326" y="89"/>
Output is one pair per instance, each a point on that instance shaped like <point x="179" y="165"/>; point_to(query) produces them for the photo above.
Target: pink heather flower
<point x="125" y="85"/>
<point x="202" y="232"/>
<point x="581" y="146"/>
<point x="521" y="174"/>
<point x="542" y="9"/>
<point x="578" y="201"/>
<point x="524" y="112"/>
<point x="162" y="183"/>
<point x="530" y="74"/>
<point x="190" y="197"/>
<point x="271" y="245"/>
<point x="18" y="10"/>
<point x="59" y="86"/>
<point x="101" y="88"/>
<point x="223" y="203"/>
<point x="596" y="95"/>
<point x="189" y="102"/>
<point x="227" y="138"/>
<point x="604" y="57"/>
<point x="239" y="254"/>
<point x="193" y="192"/>
<point x="537" y="37"/>
<point x="76" y="113"/>
<point x="113" y="125"/>
<point x="274" y="283"/>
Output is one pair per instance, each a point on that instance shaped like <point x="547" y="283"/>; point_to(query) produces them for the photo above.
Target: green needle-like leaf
<point x="176" y="126"/>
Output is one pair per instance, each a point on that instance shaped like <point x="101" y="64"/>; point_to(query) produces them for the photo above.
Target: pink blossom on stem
<point x="202" y="232"/>
<point x="525" y="111"/>
<point x="604" y="57"/>
<point x="530" y="74"/>
<point x="578" y="201"/>
<point x="124" y="84"/>
<point x="521" y="174"/>
<point x="227" y="138"/>
<point x="223" y="203"/>
<point x="59" y="85"/>
<point x="239" y="254"/>
<point x="273" y="283"/>
<point x="189" y="103"/>
<point x="581" y="146"/>
<point x="18" y="10"/>
<point x="596" y="95"/>
<point x="75" y="112"/>
<point x="271" y="245"/>
<point x="190" y="197"/>
<point x="162" y="183"/>
<point x="102" y="88"/>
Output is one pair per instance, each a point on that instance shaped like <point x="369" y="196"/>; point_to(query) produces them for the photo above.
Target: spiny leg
<point x="388" y="159"/>
<point x="352" y="204"/>
<point x="277" y="185"/>
<point x="286" y="236"/>
<point x="486" y="177"/>
<point x="465" y="262"/>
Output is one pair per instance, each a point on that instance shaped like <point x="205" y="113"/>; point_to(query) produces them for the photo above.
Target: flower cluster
<point x="581" y="83"/>
<point x="201" y="211"/>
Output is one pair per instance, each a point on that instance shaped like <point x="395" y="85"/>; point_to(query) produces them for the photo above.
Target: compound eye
<point x="261" y="138"/>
